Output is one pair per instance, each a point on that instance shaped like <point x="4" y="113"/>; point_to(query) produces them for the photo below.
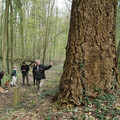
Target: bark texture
<point x="118" y="50"/>
<point x="91" y="51"/>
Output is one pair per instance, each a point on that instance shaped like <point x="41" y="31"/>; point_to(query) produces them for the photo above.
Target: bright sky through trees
<point x="63" y="4"/>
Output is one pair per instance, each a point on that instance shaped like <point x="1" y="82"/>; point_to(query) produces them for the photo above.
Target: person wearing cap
<point x="14" y="77"/>
<point x="1" y="76"/>
<point x="25" y="69"/>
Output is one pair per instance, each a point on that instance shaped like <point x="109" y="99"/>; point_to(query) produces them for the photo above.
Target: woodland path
<point x="29" y="101"/>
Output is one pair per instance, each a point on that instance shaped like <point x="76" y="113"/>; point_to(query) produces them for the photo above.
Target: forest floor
<point x="32" y="107"/>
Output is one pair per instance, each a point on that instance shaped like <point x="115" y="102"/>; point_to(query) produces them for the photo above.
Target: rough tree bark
<point x="118" y="50"/>
<point x="91" y="51"/>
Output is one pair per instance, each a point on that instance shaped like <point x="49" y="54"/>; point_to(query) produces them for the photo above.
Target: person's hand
<point x="51" y="63"/>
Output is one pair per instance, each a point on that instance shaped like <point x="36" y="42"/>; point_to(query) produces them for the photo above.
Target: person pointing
<point x="40" y="74"/>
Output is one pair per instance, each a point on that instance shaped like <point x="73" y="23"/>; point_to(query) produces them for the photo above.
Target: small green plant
<point x="48" y="118"/>
<point x="84" y="116"/>
<point x="74" y="118"/>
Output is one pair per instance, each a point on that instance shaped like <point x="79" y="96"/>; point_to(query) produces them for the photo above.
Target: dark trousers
<point x="0" y="83"/>
<point x="34" y="80"/>
<point x="38" y="83"/>
<point x="25" y="75"/>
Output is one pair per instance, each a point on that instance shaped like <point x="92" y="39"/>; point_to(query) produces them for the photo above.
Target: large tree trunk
<point x="91" y="51"/>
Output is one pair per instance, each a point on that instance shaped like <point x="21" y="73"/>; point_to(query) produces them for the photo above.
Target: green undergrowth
<point x="7" y="77"/>
<point x="48" y="93"/>
<point x="105" y="106"/>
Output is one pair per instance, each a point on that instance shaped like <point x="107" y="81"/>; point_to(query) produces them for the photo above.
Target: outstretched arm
<point x="48" y="67"/>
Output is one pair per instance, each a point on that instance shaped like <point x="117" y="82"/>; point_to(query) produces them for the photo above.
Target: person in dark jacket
<point x="33" y="71"/>
<point x="25" y="69"/>
<point x="40" y="74"/>
<point x="1" y="76"/>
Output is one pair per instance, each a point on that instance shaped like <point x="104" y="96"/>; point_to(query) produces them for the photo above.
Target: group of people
<point x="38" y="74"/>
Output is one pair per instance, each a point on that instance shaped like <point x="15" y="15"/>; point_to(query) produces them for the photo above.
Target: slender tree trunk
<point x="54" y="51"/>
<point x="40" y="38"/>
<point x="51" y="28"/>
<point x="1" y="14"/>
<point x="34" y="50"/>
<point x="5" y="34"/>
<point x="21" y="31"/>
<point x="8" y="43"/>
<point x="15" y="35"/>
<point x="91" y="52"/>
<point x="46" y="36"/>
<point x="1" y="28"/>
<point x="11" y="24"/>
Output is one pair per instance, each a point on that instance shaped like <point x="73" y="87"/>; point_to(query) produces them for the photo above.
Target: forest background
<point x="36" y="29"/>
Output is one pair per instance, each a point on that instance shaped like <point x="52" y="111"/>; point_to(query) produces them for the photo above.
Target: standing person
<point x="1" y="76"/>
<point x="33" y="71"/>
<point x="25" y="69"/>
<point x="40" y="74"/>
<point x="14" y="77"/>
